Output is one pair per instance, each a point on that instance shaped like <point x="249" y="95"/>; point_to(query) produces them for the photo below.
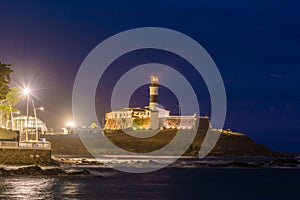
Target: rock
<point x="38" y="171"/>
<point x="79" y="172"/>
<point x="237" y="164"/>
<point x="288" y="162"/>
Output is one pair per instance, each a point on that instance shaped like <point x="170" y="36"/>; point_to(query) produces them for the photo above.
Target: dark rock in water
<point x="3" y="172"/>
<point x="53" y="172"/>
<point x="38" y="171"/>
<point x="288" y="162"/>
<point x="177" y="164"/>
<point x="79" y="172"/>
<point x="34" y="170"/>
<point x="237" y="164"/>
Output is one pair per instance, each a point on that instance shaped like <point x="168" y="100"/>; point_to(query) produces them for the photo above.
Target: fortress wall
<point x="16" y="156"/>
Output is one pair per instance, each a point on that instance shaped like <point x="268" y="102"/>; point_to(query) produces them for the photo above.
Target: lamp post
<point x="26" y="92"/>
<point x="35" y="118"/>
<point x="12" y="118"/>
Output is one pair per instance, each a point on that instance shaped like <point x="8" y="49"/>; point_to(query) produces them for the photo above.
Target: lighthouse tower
<point x="153" y="102"/>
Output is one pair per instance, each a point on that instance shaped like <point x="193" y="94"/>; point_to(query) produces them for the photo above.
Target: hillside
<point x="227" y="145"/>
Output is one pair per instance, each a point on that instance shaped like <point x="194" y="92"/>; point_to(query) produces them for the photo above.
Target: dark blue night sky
<point x="255" y="45"/>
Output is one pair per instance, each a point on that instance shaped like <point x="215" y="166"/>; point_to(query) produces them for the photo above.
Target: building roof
<point x="129" y="109"/>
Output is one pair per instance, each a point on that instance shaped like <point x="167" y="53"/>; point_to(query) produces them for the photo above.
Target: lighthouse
<point x="153" y="101"/>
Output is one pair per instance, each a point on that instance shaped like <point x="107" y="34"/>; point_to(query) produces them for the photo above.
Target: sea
<point x="174" y="182"/>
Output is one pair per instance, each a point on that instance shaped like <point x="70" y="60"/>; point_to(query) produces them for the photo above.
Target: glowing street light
<point x="70" y="125"/>
<point x="26" y="91"/>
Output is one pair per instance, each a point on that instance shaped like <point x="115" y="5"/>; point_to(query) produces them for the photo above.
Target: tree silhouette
<point x="5" y="72"/>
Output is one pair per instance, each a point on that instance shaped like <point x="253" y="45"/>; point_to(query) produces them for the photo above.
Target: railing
<point x="35" y="145"/>
<point x="25" y="145"/>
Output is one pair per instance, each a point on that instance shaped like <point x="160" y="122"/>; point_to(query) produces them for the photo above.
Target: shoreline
<point x="68" y="167"/>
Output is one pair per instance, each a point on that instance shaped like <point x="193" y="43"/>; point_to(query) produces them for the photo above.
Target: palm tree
<point x="5" y="72"/>
<point x="12" y="99"/>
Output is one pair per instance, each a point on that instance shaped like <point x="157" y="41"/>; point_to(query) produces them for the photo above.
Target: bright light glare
<point x="26" y="91"/>
<point x="70" y="124"/>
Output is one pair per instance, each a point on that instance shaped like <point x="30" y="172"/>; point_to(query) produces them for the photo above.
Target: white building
<point x="20" y="124"/>
<point x="151" y="117"/>
<point x="128" y="118"/>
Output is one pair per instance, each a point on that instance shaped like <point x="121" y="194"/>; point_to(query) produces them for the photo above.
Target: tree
<point x="13" y="96"/>
<point x="5" y="72"/>
<point x="93" y="125"/>
<point x="6" y="107"/>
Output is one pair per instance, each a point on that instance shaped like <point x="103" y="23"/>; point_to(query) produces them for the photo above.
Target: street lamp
<point x="26" y="92"/>
<point x="12" y="118"/>
<point x="35" y="118"/>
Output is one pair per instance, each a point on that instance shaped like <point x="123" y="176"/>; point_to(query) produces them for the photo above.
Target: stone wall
<point x="25" y="156"/>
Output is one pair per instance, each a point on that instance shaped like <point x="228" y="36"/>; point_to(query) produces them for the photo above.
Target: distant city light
<point x="40" y="108"/>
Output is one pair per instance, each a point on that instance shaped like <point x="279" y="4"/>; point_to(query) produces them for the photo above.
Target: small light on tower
<point x="154" y="79"/>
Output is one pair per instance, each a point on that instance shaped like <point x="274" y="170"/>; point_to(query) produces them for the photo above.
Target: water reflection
<point x="26" y="188"/>
<point x="69" y="189"/>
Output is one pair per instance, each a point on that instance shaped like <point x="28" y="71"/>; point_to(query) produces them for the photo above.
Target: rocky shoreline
<point x="40" y="171"/>
<point x="69" y="167"/>
<point x="76" y="159"/>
